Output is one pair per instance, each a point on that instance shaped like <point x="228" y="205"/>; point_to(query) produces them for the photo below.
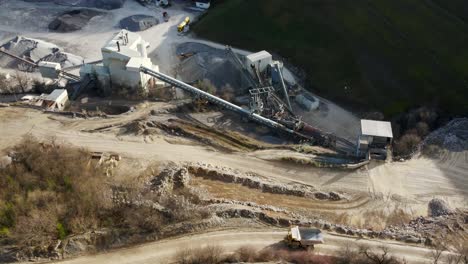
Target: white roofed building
<point x="375" y="137"/>
<point x="57" y="100"/>
<point x="204" y="4"/>
<point x="260" y="60"/>
<point x="122" y="57"/>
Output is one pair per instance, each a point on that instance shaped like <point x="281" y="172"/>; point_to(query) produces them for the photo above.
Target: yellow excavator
<point x="183" y="25"/>
<point x="305" y="238"/>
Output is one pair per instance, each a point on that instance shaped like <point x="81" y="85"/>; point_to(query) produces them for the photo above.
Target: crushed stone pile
<point x="205" y="62"/>
<point x="35" y="50"/>
<point x="170" y="178"/>
<point x="438" y="207"/>
<point x="453" y="136"/>
<point x="138" y="22"/>
<point x="101" y="4"/>
<point x="73" y="20"/>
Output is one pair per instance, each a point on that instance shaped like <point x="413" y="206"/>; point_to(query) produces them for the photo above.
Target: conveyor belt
<point x="218" y="101"/>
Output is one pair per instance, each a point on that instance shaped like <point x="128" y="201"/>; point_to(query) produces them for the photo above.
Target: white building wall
<point x="261" y="60"/>
<point x="202" y="5"/>
<point x="120" y="65"/>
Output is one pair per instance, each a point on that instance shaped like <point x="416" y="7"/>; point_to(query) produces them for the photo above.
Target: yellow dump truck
<point x="301" y="237"/>
<point x="181" y="27"/>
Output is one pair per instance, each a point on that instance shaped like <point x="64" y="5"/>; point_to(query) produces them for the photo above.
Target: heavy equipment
<point x="302" y="237"/>
<point x="183" y="25"/>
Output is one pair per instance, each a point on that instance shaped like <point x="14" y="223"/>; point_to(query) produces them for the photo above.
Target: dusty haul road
<point x="416" y="181"/>
<point x="164" y="251"/>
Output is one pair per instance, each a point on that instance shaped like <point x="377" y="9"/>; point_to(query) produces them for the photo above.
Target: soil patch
<point x="138" y="22"/>
<point x="73" y="20"/>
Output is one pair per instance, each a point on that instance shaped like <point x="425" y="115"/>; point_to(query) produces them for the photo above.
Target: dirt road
<point x="163" y="251"/>
<point x="417" y="180"/>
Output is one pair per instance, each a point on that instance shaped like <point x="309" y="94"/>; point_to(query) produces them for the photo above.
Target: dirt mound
<point x="438" y="207"/>
<point x="453" y="136"/>
<point x="35" y="50"/>
<point x="138" y="22"/>
<point x="73" y="20"/>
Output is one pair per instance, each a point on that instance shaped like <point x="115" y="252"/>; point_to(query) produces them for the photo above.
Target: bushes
<point x="410" y="128"/>
<point x="347" y="255"/>
<point x="203" y="255"/>
<point x="363" y="255"/>
<point x="407" y="144"/>
<point x="49" y="190"/>
<point x="217" y="255"/>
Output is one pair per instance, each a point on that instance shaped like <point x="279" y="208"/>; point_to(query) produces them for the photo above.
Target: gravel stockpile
<point x="453" y="136"/>
<point x="101" y="4"/>
<point x="138" y="22"/>
<point x="207" y="63"/>
<point x="35" y="50"/>
<point x="438" y="207"/>
<point x="73" y="20"/>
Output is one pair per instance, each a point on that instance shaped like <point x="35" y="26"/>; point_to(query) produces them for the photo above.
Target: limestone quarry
<point x="186" y="142"/>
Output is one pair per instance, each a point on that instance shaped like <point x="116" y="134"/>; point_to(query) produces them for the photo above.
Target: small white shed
<point x="204" y="4"/>
<point x="375" y="137"/>
<point x="56" y="100"/>
<point x="260" y="60"/>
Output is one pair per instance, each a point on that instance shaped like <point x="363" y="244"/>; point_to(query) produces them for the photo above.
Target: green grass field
<point x="392" y="54"/>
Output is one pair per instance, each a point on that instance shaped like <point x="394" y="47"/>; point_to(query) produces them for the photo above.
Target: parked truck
<point x="302" y="237"/>
<point x="183" y="26"/>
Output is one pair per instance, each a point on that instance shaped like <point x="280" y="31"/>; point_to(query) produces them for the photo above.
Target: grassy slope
<point x="393" y="54"/>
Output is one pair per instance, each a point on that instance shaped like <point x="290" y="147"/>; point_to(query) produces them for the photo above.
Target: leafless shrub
<point x="247" y="254"/>
<point x="5" y="84"/>
<point x="181" y="209"/>
<point x="207" y="86"/>
<point x="227" y="93"/>
<point x="22" y="82"/>
<point x="161" y="93"/>
<point x="50" y="185"/>
<point x="214" y="255"/>
<point x="374" y="257"/>
<point x="204" y="255"/>
<point x="422" y="129"/>
<point x="41" y="87"/>
<point x="348" y="255"/>
<point x="436" y="253"/>
<point x="406" y="144"/>
<point x="130" y="93"/>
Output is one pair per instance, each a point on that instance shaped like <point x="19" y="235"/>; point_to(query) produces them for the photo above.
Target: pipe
<point x="283" y="85"/>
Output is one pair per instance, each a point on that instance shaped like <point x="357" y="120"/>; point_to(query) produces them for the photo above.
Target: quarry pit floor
<point x="378" y="188"/>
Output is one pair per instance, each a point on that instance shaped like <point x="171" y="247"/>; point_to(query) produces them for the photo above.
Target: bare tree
<point x="4" y="84"/>
<point x="22" y="81"/>
<point x="436" y="253"/>
<point x="382" y="257"/>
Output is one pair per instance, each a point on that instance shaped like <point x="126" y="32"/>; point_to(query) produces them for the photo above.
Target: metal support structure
<point x="283" y="85"/>
<point x="218" y="101"/>
<point x="258" y="97"/>
<point x="62" y="72"/>
<point x="245" y="71"/>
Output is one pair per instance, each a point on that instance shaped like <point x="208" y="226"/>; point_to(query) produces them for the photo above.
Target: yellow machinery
<point x="300" y="237"/>
<point x="183" y="24"/>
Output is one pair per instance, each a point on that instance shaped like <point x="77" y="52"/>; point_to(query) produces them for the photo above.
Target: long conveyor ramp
<point x="218" y="101"/>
